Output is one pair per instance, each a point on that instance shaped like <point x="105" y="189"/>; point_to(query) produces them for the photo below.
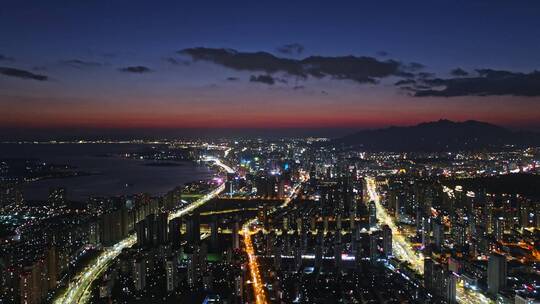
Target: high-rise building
<point x="428" y="273"/>
<point x="110" y="228"/>
<point x="26" y="288"/>
<point x="372" y="214"/>
<point x="459" y="234"/>
<point x="318" y="255"/>
<point x="173" y="199"/>
<point x="229" y="183"/>
<point x="399" y="206"/>
<point x="214" y="234"/>
<point x="52" y="267"/>
<point x="171" y="272"/>
<point x="337" y="254"/>
<point x="162" y="229"/>
<point x="488" y="216"/>
<point x="450" y="288"/>
<point x="446" y="284"/>
<point x="438" y="234"/>
<point x="439" y="281"/>
<point x="193" y="229"/>
<point x="140" y="230"/>
<point x="277" y="257"/>
<point x="374" y="246"/>
<point x="139" y="273"/>
<point x="175" y="231"/>
<point x="297" y="258"/>
<point x="497" y="273"/>
<point x="151" y="229"/>
<point x="235" y="235"/>
<point x="499" y="229"/>
<point x="387" y="241"/>
<point x="426" y="231"/>
<point x="524" y="211"/>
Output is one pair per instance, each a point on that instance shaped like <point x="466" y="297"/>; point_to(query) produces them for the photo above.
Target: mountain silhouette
<point x="438" y="136"/>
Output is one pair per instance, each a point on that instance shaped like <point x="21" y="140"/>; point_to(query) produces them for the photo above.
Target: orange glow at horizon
<point x="264" y="113"/>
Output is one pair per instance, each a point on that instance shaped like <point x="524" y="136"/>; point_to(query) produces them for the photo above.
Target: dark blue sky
<point x="438" y="33"/>
<point x="45" y="38"/>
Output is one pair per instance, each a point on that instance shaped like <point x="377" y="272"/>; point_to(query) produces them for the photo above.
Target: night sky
<point x="98" y="65"/>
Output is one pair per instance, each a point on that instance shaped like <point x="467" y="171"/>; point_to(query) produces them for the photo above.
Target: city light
<point x="78" y="289"/>
<point x="403" y="248"/>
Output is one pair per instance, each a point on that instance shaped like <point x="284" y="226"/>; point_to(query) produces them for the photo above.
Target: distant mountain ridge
<point x="442" y="135"/>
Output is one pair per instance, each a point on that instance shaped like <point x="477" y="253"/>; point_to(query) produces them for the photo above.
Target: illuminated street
<point x="403" y="248"/>
<point x="247" y="231"/>
<point x="181" y="152"/>
<point x="79" y="287"/>
<point x="256" y="281"/>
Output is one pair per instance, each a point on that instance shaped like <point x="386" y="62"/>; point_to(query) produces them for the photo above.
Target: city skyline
<point x="91" y="68"/>
<point x="243" y="152"/>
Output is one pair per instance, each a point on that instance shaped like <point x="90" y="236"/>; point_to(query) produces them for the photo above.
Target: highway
<point x="78" y="290"/>
<point x="218" y="162"/>
<point x="79" y="287"/>
<point x="403" y="248"/>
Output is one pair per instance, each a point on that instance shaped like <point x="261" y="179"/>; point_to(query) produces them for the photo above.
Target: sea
<point x="111" y="175"/>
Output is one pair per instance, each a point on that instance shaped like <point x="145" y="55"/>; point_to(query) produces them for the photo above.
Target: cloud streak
<point x="488" y="82"/>
<point x="139" y="69"/>
<point x="175" y="61"/>
<point x="459" y="72"/>
<point x="78" y="63"/>
<point x="22" y="74"/>
<point x="6" y="58"/>
<point x="267" y="79"/>
<point x="360" y="69"/>
<point x="291" y="49"/>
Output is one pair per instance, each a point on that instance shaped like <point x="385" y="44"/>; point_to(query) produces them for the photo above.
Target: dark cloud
<point x="359" y="69"/>
<point x="21" y="74"/>
<point x="263" y="78"/>
<point x="406" y="74"/>
<point x="421" y="87"/>
<point x="139" y="69"/>
<point x="405" y="82"/>
<point x="175" y="61"/>
<point x="232" y="78"/>
<point x="414" y="66"/>
<point x="172" y="60"/>
<point x="488" y="83"/>
<point x="382" y="53"/>
<point x="425" y="75"/>
<point x="408" y="89"/>
<point x="78" y="63"/>
<point x="291" y="49"/>
<point x="299" y="87"/>
<point x="459" y="72"/>
<point x="6" y="58"/>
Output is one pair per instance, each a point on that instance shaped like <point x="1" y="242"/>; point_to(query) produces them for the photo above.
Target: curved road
<point x="78" y="290"/>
